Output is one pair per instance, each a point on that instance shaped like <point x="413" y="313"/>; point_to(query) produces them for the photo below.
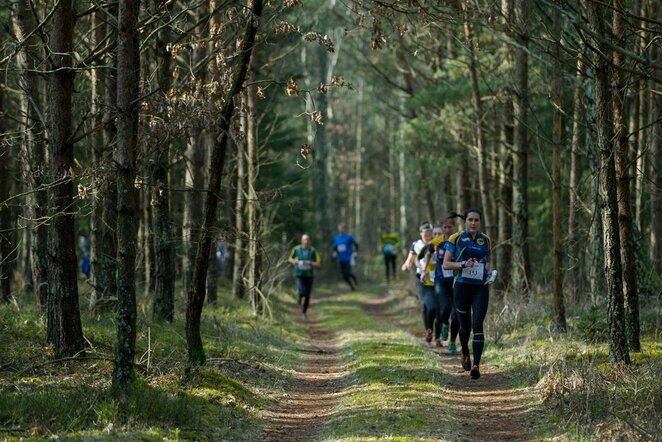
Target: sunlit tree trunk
<point x="239" y="263"/>
<point x="618" y="349"/>
<point x="522" y="261"/>
<point x="252" y="203"/>
<point x="622" y="169"/>
<point x="557" y="144"/>
<point x="196" y="294"/>
<point x="642" y="153"/>
<point x="128" y="75"/>
<point x="63" y="313"/>
<point x="655" y="203"/>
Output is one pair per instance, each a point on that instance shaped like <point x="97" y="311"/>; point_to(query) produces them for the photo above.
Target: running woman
<point x="390" y="243"/>
<point x="429" y="281"/>
<point x="344" y="246"/>
<point x="425" y="295"/>
<point x="468" y="253"/>
<point x="443" y="282"/>
<point x="304" y="258"/>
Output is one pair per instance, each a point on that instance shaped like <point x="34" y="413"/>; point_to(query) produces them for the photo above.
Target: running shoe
<point x="437" y="342"/>
<point x="444" y="332"/>
<point x="428" y="335"/>
<point x="452" y="349"/>
<point x="466" y="362"/>
<point x="475" y="372"/>
<point x="304" y="317"/>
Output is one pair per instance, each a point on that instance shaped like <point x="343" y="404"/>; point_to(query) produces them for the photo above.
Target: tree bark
<point x="128" y="76"/>
<point x="479" y="134"/>
<point x="33" y="153"/>
<point x="252" y="203"/>
<point x="618" y="349"/>
<point x="196" y="294"/>
<point x="557" y="142"/>
<point x="238" y="284"/>
<point x="164" y="266"/>
<point x="522" y="262"/>
<point x="578" y="133"/>
<point x="504" y="251"/>
<point x="622" y="169"/>
<point x="6" y="229"/>
<point x="64" y="327"/>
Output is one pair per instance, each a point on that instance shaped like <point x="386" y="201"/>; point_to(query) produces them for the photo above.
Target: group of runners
<point x="453" y="273"/>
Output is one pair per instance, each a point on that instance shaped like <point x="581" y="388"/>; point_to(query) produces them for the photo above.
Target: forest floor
<point x="356" y="370"/>
<point x="484" y="409"/>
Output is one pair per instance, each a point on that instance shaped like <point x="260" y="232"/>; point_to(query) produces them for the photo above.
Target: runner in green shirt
<point x="304" y="258"/>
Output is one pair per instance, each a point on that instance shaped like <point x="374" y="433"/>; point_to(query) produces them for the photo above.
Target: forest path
<point x="487" y="408"/>
<point x="314" y="390"/>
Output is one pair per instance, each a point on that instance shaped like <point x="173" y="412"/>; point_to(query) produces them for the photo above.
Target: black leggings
<point x="444" y="291"/>
<point x="389" y="262"/>
<point x="346" y="270"/>
<point x="429" y="305"/>
<point x="304" y="287"/>
<point x="470" y="298"/>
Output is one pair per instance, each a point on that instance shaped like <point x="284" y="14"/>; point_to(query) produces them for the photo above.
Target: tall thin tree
<point x="128" y="76"/>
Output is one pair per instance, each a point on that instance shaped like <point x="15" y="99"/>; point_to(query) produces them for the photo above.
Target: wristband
<point x="463" y="264"/>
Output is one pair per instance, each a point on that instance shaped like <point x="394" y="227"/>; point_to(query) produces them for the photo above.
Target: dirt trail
<point x="487" y="409"/>
<point x="313" y="392"/>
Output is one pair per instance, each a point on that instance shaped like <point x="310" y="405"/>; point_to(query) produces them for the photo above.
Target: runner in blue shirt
<point x="344" y="246"/>
<point x="468" y="254"/>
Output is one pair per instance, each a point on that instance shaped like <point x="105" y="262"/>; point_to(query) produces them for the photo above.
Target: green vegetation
<point x="393" y="387"/>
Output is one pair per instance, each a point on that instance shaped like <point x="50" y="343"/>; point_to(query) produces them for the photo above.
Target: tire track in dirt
<point x="487" y="409"/>
<point x="312" y="393"/>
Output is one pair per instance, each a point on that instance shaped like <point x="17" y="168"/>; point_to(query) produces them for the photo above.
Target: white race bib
<point x="476" y="272"/>
<point x="304" y="265"/>
<point x="447" y="273"/>
<point x="431" y="276"/>
<point x="342" y="248"/>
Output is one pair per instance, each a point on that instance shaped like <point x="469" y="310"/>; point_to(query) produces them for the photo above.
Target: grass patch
<point x="249" y="361"/>
<point x="396" y="384"/>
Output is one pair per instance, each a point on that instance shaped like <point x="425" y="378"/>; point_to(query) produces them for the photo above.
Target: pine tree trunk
<point x="238" y="284"/>
<point x="33" y="154"/>
<point x="505" y="250"/>
<point x="64" y="327"/>
<point x="128" y="75"/>
<point x="252" y="203"/>
<point x="164" y="265"/>
<point x="575" y="280"/>
<point x="622" y="169"/>
<point x="618" y="349"/>
<point x="320" y="183"/>
<point x="476" y="100"/>
<point x="6" y="236"/>
<point x="643" y="132"/>
<point x="522" y="262"/>
<point x="557" y="142"/>
<point x="655" y="170"/>
<point x="196" y="294"/>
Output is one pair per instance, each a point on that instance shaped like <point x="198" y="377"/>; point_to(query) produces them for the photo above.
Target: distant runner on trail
<point x="344" y="248"/>
<point x="468" y="253"/>
<point x="443" y="282"/>
<point x="304" y="258"/>
<point x="426" y="296"/>
<point x="389" y="244"/>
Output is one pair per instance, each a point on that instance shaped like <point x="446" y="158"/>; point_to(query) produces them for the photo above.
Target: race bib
<point x="476" y="272"/>
<point x="431" y="275"/>
<point x="389" y="248"/>
<point x="304" y="265"/>
<point x="341" y="248"/>
<point x="447" y="273"/>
